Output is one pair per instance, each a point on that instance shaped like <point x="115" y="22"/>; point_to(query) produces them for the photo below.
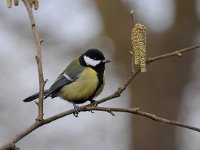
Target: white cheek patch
<point x="91" y="62"/>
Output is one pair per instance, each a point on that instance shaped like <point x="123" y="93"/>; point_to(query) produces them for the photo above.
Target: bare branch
<point x="175" y="53"/>
<point x="40" y="121"/>
<point x="132" y="17"/>
<point x="145" y="114"/>
<point x="89" y="108"/>
<point x="38" y="58"/>
<point x="132" y="75"/>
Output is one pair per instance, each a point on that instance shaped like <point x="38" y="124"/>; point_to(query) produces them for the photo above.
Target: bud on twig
<point x="31" y="3"/>
<point x="16" y="2"/>
<point x="9" y="3"/>
<point x="36" y="4"/>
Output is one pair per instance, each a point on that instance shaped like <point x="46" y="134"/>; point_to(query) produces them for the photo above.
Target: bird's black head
<point x="93" y="58"/>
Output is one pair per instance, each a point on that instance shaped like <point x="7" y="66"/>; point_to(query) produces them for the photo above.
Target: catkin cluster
<point x="32" y="3"/>
<point x="138" y="38"/>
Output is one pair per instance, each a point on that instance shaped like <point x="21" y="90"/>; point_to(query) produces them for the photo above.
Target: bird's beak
<point x="106" y="61"/>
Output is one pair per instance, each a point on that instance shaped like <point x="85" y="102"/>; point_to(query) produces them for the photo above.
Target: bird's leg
<point x="93" y="102"/>
<point x="77" y="110"/>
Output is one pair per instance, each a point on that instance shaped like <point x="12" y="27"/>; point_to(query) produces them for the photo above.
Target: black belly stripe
<point x="100" y="83"/>
<point x="100" y="73"/>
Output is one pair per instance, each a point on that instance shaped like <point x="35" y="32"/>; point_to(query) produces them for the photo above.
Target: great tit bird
<point x="81" y="81"/>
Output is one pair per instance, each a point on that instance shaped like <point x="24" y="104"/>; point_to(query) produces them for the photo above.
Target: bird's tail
<point x="34" y="96"/>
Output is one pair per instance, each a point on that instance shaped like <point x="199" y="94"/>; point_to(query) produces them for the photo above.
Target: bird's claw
<point x="77" y="110"/>
<point x="94" y="103"/>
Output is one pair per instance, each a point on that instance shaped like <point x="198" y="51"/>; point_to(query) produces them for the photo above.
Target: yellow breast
<point x="82" y="88"/>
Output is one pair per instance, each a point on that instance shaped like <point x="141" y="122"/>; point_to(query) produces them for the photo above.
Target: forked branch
<point x="40" y="121"/>
<point x="38" y="58"/>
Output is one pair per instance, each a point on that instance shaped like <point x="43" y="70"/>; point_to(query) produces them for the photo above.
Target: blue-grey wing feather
<point x="69" y="75"/>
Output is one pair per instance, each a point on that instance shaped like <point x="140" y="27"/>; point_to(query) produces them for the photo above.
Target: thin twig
<point x="132" y="75"/>
<point x="132" y="52"/>
<point x="175" y="53"/>
<point x="144" y="114"/>
<point x="132" y="17"/>
<point x="38" y="58"/>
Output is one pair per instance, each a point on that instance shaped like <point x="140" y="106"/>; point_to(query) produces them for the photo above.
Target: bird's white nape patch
<point x="91" y="62"/>
<point x="67" y="77"/>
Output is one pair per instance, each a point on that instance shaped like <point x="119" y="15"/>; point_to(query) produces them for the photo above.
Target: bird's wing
<point x="70" y="74"/>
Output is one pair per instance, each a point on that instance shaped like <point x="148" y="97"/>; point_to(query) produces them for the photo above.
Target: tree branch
<point x="132" y="75"/>
<point x="175" y="53"/>
<point x="144" y="114"/>
<point x="40" y="121"/>
<point x="38" y="58"/>
<point x="117" y="93"/>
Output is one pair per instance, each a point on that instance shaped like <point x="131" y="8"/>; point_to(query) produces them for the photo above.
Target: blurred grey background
<point x="169" y="89"/>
